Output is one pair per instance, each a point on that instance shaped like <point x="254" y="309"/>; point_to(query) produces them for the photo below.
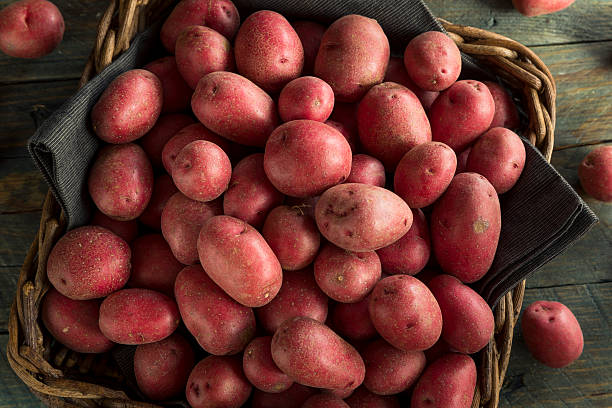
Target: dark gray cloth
<point x="541" y="216"/>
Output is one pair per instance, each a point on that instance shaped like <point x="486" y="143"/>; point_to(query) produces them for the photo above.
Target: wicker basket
<point x="63" y="378"/>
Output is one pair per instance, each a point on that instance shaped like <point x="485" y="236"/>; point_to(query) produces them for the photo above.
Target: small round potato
<point x="310" y="34"/>
<point x="306" y="98"/>
<point x="352" y="320"/>
<point x="367" y="170"/>
<point x="595" y="173"/>
<point x="261" y="370"/>
<point x="506" y="115"/>
<point x="218" y="381"/>
<point x="396" y="72"/>
<point x="177" y="94"/>
<point x="166" y="126"/>
<point x="163" y="189"/>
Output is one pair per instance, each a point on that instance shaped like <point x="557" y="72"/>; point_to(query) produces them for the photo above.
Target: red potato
<point x="120" y="181"/>
<point x="396" y="72"/>
<point x="202" y="171"/>
<point x="345" y="114"/>
<point x="362" y="398"/>
<point x="461" y="113"/>
<point x="250" y="195"/>
<point x="153" y="264"/>
<point x="350" y="135"/>
<point x="161" y="369"/>
<point x="235" y="108"/>
<point x="220" y="15"/>
<point x="268" y="50"/>
<point x="312" y="354"/>
<point x="360" y="217"/>
<point x="260" y="369"/>
<point x="30" y="28"/>
<point x="128" y="108"/>
<point x="89" y="262"/>
<point x="299" y="296"/>
<point x="532" y="8"/>
<point x="181" y="221"/>
<point x="465" y="226"/>
<point x="552" y="333"/>
<point x="338" y="394"/>
<point x="405" y="313"/>
<point x="352" y="320"/>
<point x="238" y="259"/>
<point x="306" y="98"/>
<point x="433" y="61"/>
<point x="595" y="173"/>
<point x="409" y="254"/>
<point x="462" y="159"/>
<point x="163" y="189"/>
<point x="506" y="115"/>
<point x="293" y="397"/>
<point x="367" y="170"/>
<point x="177" y="94"/>
<point x="424" y="173"/>
<point x="499" y="155"/>
<point x="448" y="382"/>
<point x="183" y="137"/>
<point x="138" y="316"/>
<point x="74" y="323"/>
<point x="228" y="329"/>
<point x="324" y="401"/>
<point x="218" y="382"/>
<point x="293" y="236"/>
<point x="126" y="230"/>
<point x="201" y="50"/>
<point x="310" y="34"/>
<point x="468" y="319"/>
<point x="391" y="121"/>
<point x="437" y="350"/>
<point x="166" y="126"/>
<point x="389" y="370"/>
<point x="304" y="158"/>
<point x="346" y="276"/>
<point x="353" y="56"/>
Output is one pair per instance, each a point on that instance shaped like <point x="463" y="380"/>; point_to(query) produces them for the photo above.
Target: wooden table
<point x="576" y="44"/>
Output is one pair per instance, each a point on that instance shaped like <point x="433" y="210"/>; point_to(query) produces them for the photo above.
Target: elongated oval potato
<point x="465" y="227"/>
<point x="238" y="259"/>
<point x="313" y="355"/>
<point x="360" y="217"/>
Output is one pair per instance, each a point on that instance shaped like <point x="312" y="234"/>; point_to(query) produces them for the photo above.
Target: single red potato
<point x="295" y="396"/>
<point x="595" y="173"/>
<point x="352" y="320"/>
<point x="396" y="72"/>
<point x="30" y="28"/>
<point x="74" y="323"/>
<point x="310" y="34"/>
<point x="367" y="170"/>
<point x="261" y="370"/>
<point x="531" y="8"/>
<point x="552" y="333"/>
<point x="324" y="401"/>
<point x="163" y="189"/>
<point x="89" y="262"/>
<point x="506" y="115"/>
<point x="127" y="230"/>
<point x="218" y="381"/>
<point x="177" y="94"/>
<point x="166" y="126"/>
<point x="162" y="368"/>
<point x="362" y="398"/>
<point x="306" y="98"/>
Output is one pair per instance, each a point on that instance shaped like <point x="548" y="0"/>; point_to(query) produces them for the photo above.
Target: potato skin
<point x="163" y="189"/>
<point x="128" y="108"/>
<point x="295" y="396"/>
<point x="532" y="8"/>
<point x="506" y="115"/>
<point x="293" y="236"/>
<point x="595" y="173"/>
<point x="352" y="320"/>
<point x="89" y="262"/>
<point x="433" y="61"/>
<point x="552" y="333"/>
<point x="499" y="155"/>
<point x="396" y="72"/>
<point x="30" y="28"/>
<point x="218" y="381"/>
<point x="177" y="94"/>
<point x="310" y="34"/>
<point x="304" y="158"/>
<point x="238" y="259"/>
<point x="312" y="354"/>
<point x="362" y="398"/>
<point x="391" y="121"/>
<point x="220" y="15"/>
<point x="405" y="313"/>
<point x="228" y="329"/>
<point x="448" y="382"/>
<point x="166" y="126"/>
<point x="261" y="370"/>
<point x="345" y="114"/>
<point x="360" y="217"/>
<point x="120" y="181"/>
<point x="390" y="370"/>
<point x="468" y="319"/>
<point x="235" y="108"/>
<point x="465" y="226"/>
<point x="306" y="98"/>
<point x="126" y="230"/>
<point x="181" y="221"/>
<point x="367" y="170"/>
<point x="268" y="50"/>
<point x="324" y="401"/>
<point x="353" y="56"/>
<point x="461" y="113"/>
<point x="424" y="173"/>
<point x="138" y="316"/>
<point x="162" y="368"/>
<point x="299" y="296"/>
<point x="74" y="323"/>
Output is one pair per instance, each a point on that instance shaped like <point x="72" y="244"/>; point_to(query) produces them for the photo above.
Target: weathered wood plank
<point x="22" y="187"/>
<point x="8" y="286"/>
<point x="69" y="58"/>
<point x="14" y="392"/>
<point x="583" y="21"/>
<point x="18" y="231"/>
<point x="587" y="382"/>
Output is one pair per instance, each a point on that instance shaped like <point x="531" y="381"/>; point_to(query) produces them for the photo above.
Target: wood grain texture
<point x="22" y="187"/>
<point x="8" y="283"/>
<point x="14" y="393"/>
<point x="18" y="231"/>
<point x="586" y="20"/>
<point x="585" y="383"/>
